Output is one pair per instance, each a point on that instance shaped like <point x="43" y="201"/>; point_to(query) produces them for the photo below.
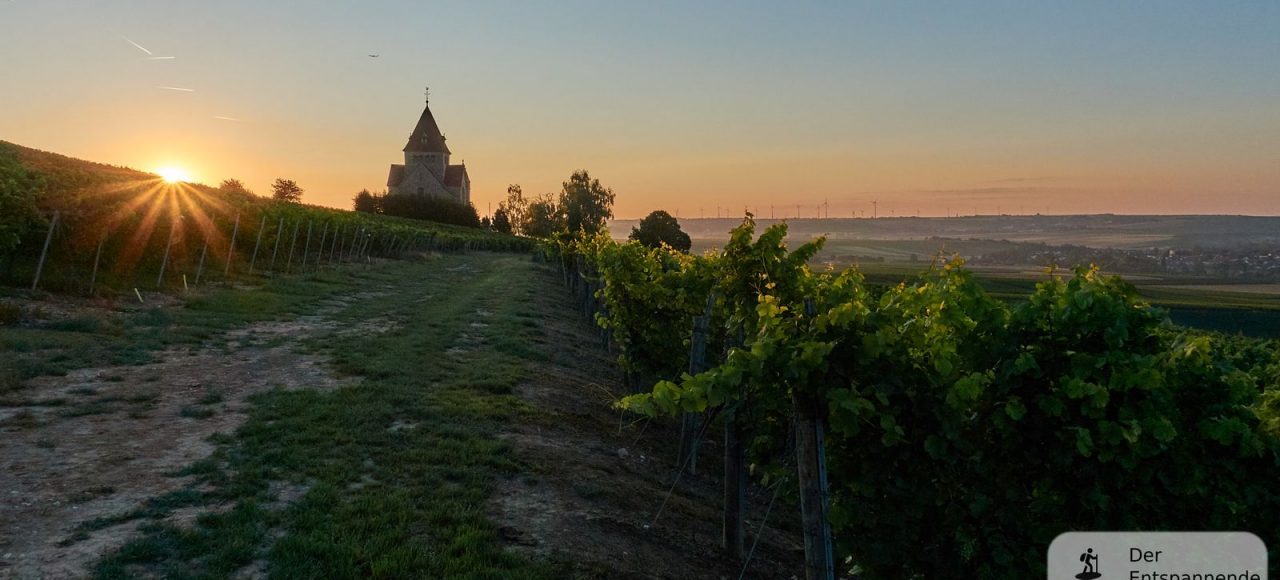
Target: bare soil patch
<point x="109" y="438"/>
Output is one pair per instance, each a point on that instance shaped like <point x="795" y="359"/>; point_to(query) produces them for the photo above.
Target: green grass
<point x="131" y="337"/>
<point x="371" y="501"/>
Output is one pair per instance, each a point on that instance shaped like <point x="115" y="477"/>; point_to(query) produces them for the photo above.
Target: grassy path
<point x="382" y="470"/>
<point x="385" y="478"/>
<point x="444" y="418"/>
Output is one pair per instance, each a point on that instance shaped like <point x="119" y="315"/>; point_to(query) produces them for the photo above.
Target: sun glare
<point x="173" y="174"/>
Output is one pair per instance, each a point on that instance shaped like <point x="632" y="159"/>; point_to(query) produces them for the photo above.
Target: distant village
<point x="1243" y="262"/>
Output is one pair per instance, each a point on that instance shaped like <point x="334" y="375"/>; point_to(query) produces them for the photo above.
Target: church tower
<point x="426" y="169"/>
<point x="426" y="146"/>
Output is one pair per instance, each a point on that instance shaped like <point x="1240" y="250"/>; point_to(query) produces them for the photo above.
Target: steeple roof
<point x="426" y="136"/>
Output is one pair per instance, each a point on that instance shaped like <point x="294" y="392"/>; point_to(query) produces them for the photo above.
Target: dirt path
<point x="111" y="438"/>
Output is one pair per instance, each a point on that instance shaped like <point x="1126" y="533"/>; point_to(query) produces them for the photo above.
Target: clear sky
<point x="936" y="107"/>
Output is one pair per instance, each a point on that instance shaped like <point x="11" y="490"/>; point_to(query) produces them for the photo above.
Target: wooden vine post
<point x="44" y="253"/>
<point x="324" y="232"/>
<point x="204" y="250"/>
<point x="97" y="258"/>
<point x="306" y="247"/>
<point x="735" y="476"/>
<point x="293" y="244"/>
<point x="261" y="227"/>
<point x="164" y="262"/>
<point x="355" y="243"/>
<point x="333" y="248"/>
<point x="231" y="248"/>
<point x="697" y="364"/>
<point x="811" y="467"/>
<point x="276" y="251"/>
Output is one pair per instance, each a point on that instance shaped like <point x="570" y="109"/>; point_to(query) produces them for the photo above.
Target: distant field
<point x="890" y="250"/>
<point x="1265" y="289"/>
<point x="1099" y="231"/>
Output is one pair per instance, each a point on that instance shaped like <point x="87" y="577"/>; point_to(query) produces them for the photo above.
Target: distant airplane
<point x="374" y="55"/>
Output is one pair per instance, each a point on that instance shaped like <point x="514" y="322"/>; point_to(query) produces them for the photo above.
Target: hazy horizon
<point x="1002" y="108"/>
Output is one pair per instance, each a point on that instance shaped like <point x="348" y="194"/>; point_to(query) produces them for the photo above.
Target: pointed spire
<point x="426" y="136"/>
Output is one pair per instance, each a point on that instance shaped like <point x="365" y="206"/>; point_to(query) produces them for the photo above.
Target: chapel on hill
<point x="426" y="169"/>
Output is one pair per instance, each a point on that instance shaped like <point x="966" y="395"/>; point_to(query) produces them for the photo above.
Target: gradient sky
<point x="930" y="107"/>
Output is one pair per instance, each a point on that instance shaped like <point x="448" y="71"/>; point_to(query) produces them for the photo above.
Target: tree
<point x="501" y="223"/>
<point x="516" y="207"/>
<point x="543" y="217"/>
<point x="427" y="207"/>
<point x="659" y="228"/>
<point x="234" y="186"/>
<point x="585" y="204"/>
<point x="367" y="202"/>
<point x="286" y="190"/>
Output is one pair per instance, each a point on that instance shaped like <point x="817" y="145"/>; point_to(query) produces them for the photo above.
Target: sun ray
<point x="137" y="244"/>
<point x="130" y="207"/>
<point x="215" y="203"/>
<point x="188" y="205"/>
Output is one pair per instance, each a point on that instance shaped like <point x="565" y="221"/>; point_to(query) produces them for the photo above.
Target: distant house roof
<point x="426" y="136"/>
<point x="455" y="175"/>
<point x="396" y="176"/>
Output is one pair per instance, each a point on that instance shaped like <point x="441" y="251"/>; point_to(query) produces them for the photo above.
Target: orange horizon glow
<point x="856" y="108"/>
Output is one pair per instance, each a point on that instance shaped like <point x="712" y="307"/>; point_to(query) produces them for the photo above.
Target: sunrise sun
<point x="173" y="174"/>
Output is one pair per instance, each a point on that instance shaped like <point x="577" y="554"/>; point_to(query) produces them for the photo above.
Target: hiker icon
<point x="1090" y="566"/>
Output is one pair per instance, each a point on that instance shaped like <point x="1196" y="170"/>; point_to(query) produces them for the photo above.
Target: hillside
<point x="119" y="229"/>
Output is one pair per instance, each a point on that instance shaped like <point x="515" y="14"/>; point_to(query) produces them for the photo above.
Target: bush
<point x="435" y="209"/>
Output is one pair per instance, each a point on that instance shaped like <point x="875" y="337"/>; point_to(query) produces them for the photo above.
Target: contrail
<point x="161" y="57"/>
<point x="221" y="118"/>
<point x="126" y="39"/>
<point x="177" y="89"/>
